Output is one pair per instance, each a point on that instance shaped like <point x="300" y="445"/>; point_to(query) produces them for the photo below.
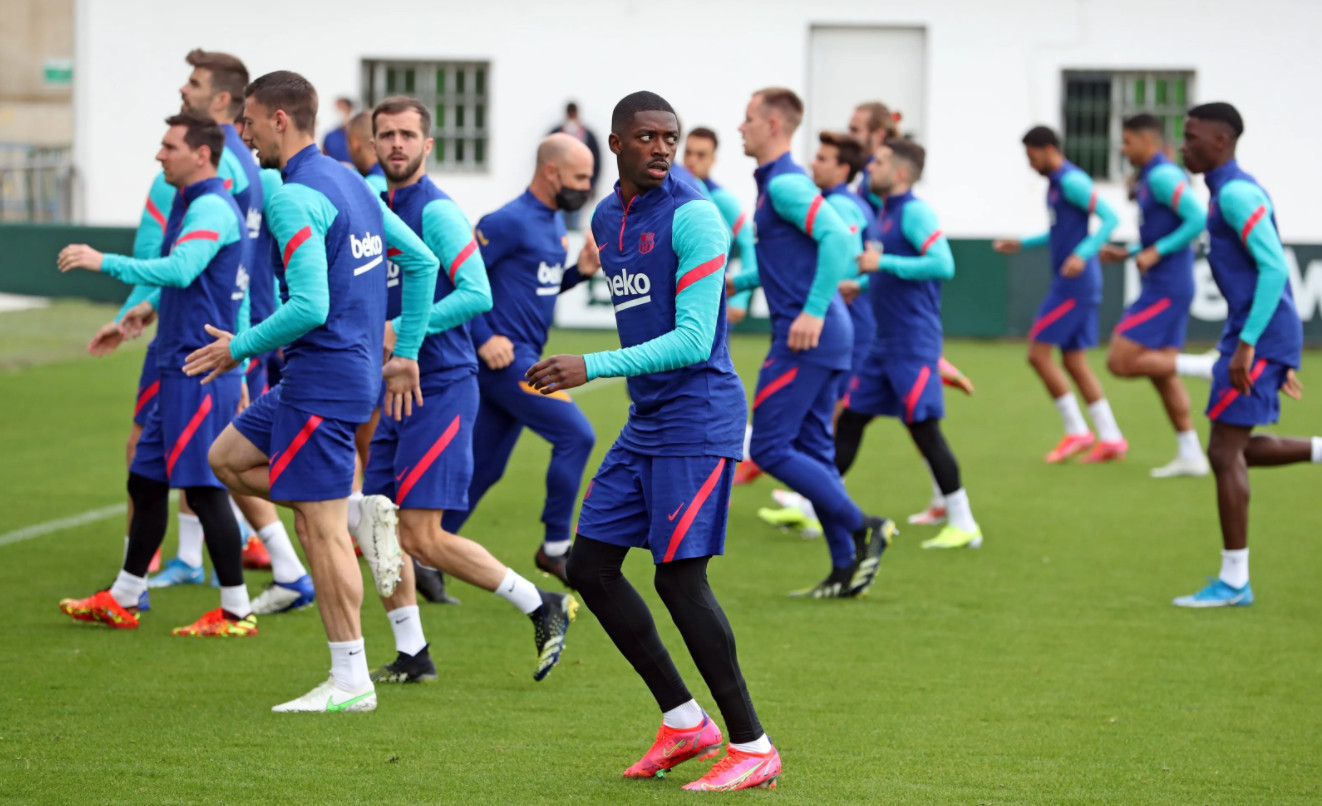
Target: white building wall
<point x="993" y="70"/>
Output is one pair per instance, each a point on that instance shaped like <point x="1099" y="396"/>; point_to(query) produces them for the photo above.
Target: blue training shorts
<point x="1262" y="406"/>
<point x="149" y="385"/>
<point x="186" y="419"/>
<point x="312" y="457"/>
<point x="908" y="389"/>
<point x="425" y="461"/>
<point x="1156" y="320"/>
<point x="1065" y="321"/>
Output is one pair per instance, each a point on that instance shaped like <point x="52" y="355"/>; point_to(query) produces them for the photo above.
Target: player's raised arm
<point x="1079" y="191"/>
<point x="1246" y="208"/>
<point x="1170" y="187"/>
<point x="299" y="218"/>
<point x="419" y="266"/>
<point x="935" y="261"/>
<point x="795" y="198"/>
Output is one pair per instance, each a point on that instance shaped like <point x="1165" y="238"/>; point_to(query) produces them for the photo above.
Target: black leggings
<point x="926" y="435"/>
<point x="151" y="515"/>
<point x="594" y="571"/>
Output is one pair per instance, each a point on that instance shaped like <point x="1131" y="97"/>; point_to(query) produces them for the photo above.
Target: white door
<point x="849" y="65"/>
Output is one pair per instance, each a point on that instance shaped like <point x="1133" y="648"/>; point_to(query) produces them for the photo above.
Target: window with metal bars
<point x="1097" y="102"/>
<point x="458" y="95"/>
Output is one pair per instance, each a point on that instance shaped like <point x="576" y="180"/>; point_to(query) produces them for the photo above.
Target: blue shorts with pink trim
<point x="1157" y="319"/>
<point x="1065" y="321"/>
<point x="425" y="461"/>
<point x="908" y="389"/>
<point x="180" y="428"/>
<point x="676" y="506"/>
<point x="149" y="385"/>
<point x="792" y="410"/>
<point x="1262" y="406"/>
<point x="312" y="457"/>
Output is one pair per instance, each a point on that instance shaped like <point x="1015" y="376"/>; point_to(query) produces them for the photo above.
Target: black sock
<point x="594" y="571"/>
<point x="932" y="445"/>
<point x="848" y="437"/>
<point x="224" y="542"/>
<point x="151" y="516"/>
<point x="683" y="587"/>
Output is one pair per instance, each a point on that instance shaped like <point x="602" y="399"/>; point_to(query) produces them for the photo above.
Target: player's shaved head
<point x="634" y="103"/>
<point x="360" y="126"/>
<point x="909" y="154"/>
<point x="560" y="149"/>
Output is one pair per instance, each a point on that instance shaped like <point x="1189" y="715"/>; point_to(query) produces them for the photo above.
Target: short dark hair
<point x="1040" y="137"/>
<point x="635" y="102"/>
<point x="571" y="109"/>
<point x="848" y="151"/>
<point x="707" y="134"/>
<point x="1143" y="122"/>
<point x="287" y="90"/>
<point x="200" y="131"/>
<point x="228" y="74"/>
<point x="880" y="116"/>
<point x="784" y="101"/>
<point x="396" y="104"/>
<point x="912" y="153"/>
<point x="1220" y="112"/>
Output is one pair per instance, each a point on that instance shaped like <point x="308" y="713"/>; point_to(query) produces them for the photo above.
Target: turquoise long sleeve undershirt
<point x="796" y="199"/>
<point x="1034" y="241"/>
<point x="923" y="232"/>
<point x="1164" y="181"/>
<point x="208" y="225"/>
<point x="447" y="234"/>
<point x="700" y="240"/>
<point x="148" y="238"/>
<point x="1078" y="191"/>
<point x="741" y="239"/>
<point x="1238" y="202"/>
<point x="288" y="211"/>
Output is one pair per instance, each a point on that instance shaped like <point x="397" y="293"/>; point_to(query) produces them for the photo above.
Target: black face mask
<point x="570" y="200"/>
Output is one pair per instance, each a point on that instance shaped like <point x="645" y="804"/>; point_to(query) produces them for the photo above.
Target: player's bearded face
<point x="881" y="173"/>
<point x="400" y="145"/>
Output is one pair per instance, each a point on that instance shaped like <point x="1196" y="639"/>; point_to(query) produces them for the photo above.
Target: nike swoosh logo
<point x="401" y="476"/>
<point x="402" y="620"/>
<point x="674" y="748"/>
<point x="352" y="653"/>
<point x="602" y="246"/>
<point x="676" y="512"/>
<point x="332" y="705"/>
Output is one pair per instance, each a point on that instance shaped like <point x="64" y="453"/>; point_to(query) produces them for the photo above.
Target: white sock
<point x="190" y="540"/>
<point x="1104" y="419"/>
<point x="285" y="565"/>
<point x="355" y="509"/>
<point x="938" y="499"/>
<point x="1190" y="447"/>
<point x="760" y="745"/>
<point x="1070" y="415"/>
<point x="1235" y="567"/>
<point x="407" y="624"/>
<point x="684" y="717"/>
<point x="235" y="600"/>
<point x="245" y="528"/>
<point x="748" y="440"/>
<point x="349" y="665"/>
<point x="555" y="548"/>
<point x="128" y="589"/>
<point x="958" y="512"/>
<point x="1317" y="450"/>
<point x="1195" y="366"/>
<point x="519" y="592"/>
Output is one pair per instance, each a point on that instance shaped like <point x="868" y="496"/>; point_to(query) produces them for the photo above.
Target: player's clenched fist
<point x="557" y="373"/>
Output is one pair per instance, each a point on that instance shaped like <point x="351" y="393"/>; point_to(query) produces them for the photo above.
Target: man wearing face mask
<point x="524" y="247"/>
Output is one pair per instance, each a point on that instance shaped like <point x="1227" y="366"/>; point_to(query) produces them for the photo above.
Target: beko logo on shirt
<point x="368" y="246"/>
<point x="549" y="277"/>
<point x="635" y="285"/>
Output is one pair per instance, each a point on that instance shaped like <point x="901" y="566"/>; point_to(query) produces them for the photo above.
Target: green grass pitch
<point x="1046" y="668"/>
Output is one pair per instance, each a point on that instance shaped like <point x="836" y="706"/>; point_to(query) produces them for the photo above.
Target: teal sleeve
<point x="377" y="183"/>
<point x="795" y="199"/>
<point x="448" y="235"/>
<point x="155" y="212"/>
<point x="1246" y="208"/>
<point x="740" y="300"/>
<point x="745" y="281"/>
<point x="208" y="225"/>
<point x="864" y="281"/>
<point x="935" y="260"/>
<point x="1079" y="192"/>
<point x="700" y="240"/>
<point x="299" y="218"/>
<point x="1170" y="187"/>
<point x="854" y="220"/>
<point x="231" y="170"/>
<point x="418" y="265"/>
<point x="741" y="243"/>
<point x="1034" y="241"/>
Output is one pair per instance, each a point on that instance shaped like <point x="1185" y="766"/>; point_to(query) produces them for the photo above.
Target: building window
<point x="1097" y="102"/>
<point x="458" y="95"/>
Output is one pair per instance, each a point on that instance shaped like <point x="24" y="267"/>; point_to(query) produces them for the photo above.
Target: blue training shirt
<point x="1071" y="203"/>
<point x="906" y="290"/>
<point x="1170" y="219"/>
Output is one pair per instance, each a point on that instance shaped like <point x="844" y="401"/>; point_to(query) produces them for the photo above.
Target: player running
<point x="523" y="247"/>
<point x="1068" y="316"/>
<point x="699" y="157"/>
<point x="1147" y="341"/>
<point x="294" y="444"/>
<point x="1260" y="347"/>
<point x="198" y="274"/>
<point x="420" y="467"/>
<point x="804" y="250"/>
<point x="665" y="483"/>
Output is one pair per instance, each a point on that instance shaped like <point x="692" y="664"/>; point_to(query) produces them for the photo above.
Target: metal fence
<point x="36" y="183"/>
